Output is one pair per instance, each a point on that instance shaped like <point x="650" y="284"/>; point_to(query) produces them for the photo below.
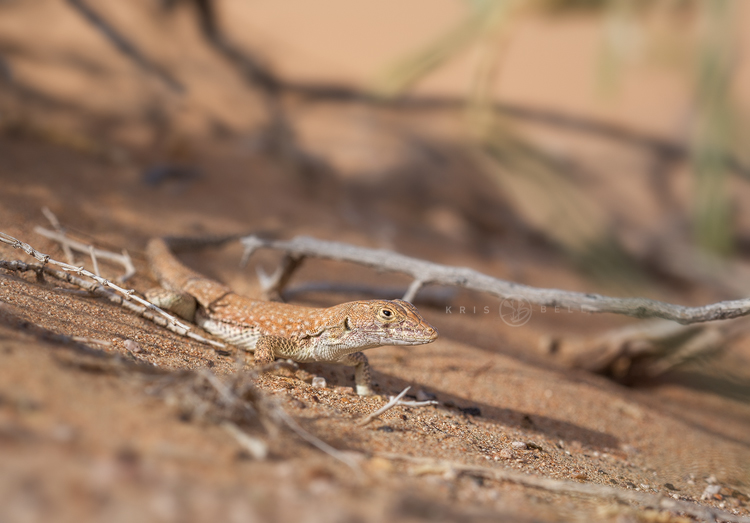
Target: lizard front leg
<point x="269" y="348"/>
<point x="362" y="376"/>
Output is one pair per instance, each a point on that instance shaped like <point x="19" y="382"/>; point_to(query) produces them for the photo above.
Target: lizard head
<point x="385" y="322"/>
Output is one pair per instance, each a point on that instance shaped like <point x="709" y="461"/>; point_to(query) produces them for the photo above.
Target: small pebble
<point x="343" y="390"/>
<point x="519" y="445"/>
<point x="503" y="454"/>
<point x="133" y="346"/>
<point x="710" y="492"/>
<point x="318" y="382"/>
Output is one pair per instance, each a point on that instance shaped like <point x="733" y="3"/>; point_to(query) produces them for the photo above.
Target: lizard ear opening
<point x="348" y="324"/>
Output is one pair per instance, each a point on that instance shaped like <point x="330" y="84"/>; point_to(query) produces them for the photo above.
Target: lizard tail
<point x="187" y="243"/>
<point x="174" y="276"/>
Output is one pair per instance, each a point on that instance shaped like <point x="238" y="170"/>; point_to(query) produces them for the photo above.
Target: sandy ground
<point x="102" y="433"/>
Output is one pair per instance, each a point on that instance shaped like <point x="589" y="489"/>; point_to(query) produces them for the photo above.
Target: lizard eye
<point x="386" y="314"/>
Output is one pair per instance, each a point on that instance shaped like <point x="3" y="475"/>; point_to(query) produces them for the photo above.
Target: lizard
<point x="273" y="330"/>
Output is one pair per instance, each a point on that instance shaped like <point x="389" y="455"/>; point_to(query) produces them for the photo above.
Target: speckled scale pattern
<point x="336" y="334"/>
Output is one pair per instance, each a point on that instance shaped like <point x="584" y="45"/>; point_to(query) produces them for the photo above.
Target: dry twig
<point x="99" y="287"/>
<point x="67" y="243"/>
<point x="124" y="45"/>
<point x="701" y="512"/>
<point x="392" y="403"/>
<point x="256" y="447"/>
<point x="91" y="341"/>
<point x="315" y="441"/>
<point x="204" y="395"/>
<point x="428" y="273"/>
<point x="60" y="230"/>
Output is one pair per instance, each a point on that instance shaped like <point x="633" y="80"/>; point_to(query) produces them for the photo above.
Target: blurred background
<point x="611" y="129"/>
<point x="587" y="145"/>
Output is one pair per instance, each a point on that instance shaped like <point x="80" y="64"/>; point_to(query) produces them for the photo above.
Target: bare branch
<point x="60" y="237"/>
<point x="94" y="261"/>
<point x="436" y="296"/>
<point x="59" y="228"/>
<point x="701" y="512"/>
<point x="433" y="273"/>
<point x="413" y="404"/>
<point x="121" y="296"/>
<point x="124" y="45"/>
<point x="413" y="289"/>
<point x="273" y="284"/>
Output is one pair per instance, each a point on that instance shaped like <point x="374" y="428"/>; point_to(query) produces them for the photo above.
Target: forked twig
<point x="392" y="403"/>
<point x="68" y="243"/>
<point x="59" y="228"/>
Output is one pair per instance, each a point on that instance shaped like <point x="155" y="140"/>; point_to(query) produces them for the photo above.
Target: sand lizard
<point x="273" y="330"/>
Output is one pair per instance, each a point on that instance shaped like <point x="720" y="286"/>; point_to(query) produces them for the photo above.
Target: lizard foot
<point x="365" y="390"/>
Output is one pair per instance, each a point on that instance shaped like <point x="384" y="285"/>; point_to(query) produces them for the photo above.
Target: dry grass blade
<point x="315" y="441"/>
<point x="256" y="447"/>
<point x="203" y="396"/>
<point x="392" y="403"/>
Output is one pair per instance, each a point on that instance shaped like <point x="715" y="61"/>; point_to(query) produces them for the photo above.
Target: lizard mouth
<point x="427" y="334"/>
